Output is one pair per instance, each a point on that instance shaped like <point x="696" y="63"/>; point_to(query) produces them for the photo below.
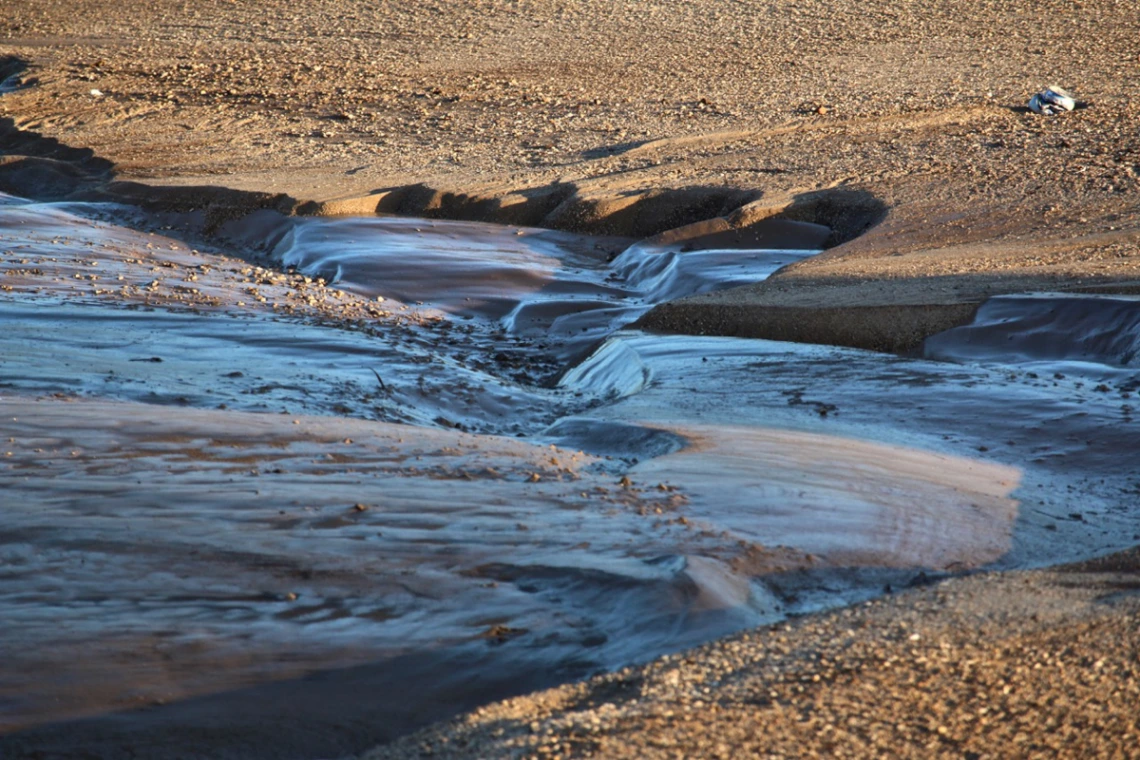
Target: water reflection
<point x="218" y="492"/>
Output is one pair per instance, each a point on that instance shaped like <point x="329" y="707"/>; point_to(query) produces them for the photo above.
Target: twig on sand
<point x="380" y="380"/>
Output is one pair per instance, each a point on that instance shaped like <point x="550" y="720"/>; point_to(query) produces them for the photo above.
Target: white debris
<point x="1051" y="101"/>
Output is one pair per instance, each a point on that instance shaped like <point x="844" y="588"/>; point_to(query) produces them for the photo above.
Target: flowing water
<point x="491" y="485"/>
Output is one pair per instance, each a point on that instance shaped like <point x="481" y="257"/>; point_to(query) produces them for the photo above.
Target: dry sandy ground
<point x="900" y="125"/>
<point x="1042" y="664"/>
<point x="906" y="120"/>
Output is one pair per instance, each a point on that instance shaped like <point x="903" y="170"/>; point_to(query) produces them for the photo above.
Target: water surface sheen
<point x="562" y="289"/>
<point x="201" y="499"/>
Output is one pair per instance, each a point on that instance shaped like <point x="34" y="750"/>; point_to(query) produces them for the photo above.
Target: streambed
<point x="480" y="483"/>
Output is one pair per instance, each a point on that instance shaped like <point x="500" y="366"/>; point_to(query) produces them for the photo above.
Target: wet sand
<point x="154" y="555"/>
<point x="901" y="129"/>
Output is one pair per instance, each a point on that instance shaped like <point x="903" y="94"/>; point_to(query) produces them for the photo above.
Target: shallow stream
<point x="491" y="486"/>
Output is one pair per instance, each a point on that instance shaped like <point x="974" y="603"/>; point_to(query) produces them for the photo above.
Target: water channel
<point x="493" y="484"/>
